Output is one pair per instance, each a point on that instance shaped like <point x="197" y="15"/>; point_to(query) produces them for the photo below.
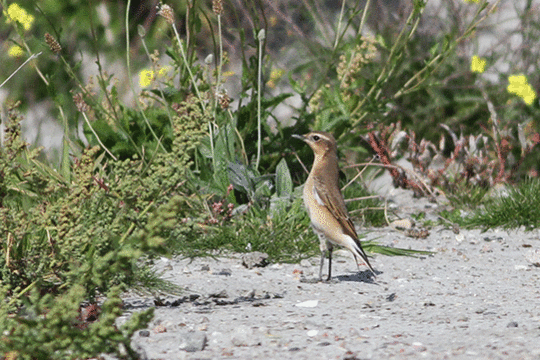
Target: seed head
<point x="167" y="13"/>
<point x="81" y="105"/>
<point x="53" y="44"/>
<point x="217" y="7"/>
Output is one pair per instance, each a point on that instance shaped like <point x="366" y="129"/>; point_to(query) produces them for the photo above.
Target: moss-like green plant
<point x="74" y="240"/>
<point x="49" y="327"/>
<point x="515" y="206"/>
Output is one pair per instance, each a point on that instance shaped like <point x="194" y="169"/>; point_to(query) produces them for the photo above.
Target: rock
<point x="220" y="295"/>
<point x="224" y="272"/>
<point x="243" y="336"/>
<point x="255" y="259"/>
<point x="144" y="333"/>
<point x="308" y="304"/>
<point x="533" y="256"/>
<point x="305" y="263"/>
<point x="193" y="341"/>
<point x="140" y="352"/>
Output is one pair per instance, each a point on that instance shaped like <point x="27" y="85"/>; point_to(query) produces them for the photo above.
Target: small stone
<point x="205" y="267"/>
<point x="144" y="333"/>
<point x="308" y="304"/>
<point x="255" y="259"/>
<point x="512" y="324"/>
<point x="243" y="336"/>
<point x="305" y="263"/>
<point x="160" y="329"/>
<point x="533" y="256"/>
<point x="225" y="272"/>
<point x="220" y="295"/>
<point x="402" y="224"/>
<point x="193" y="341"/>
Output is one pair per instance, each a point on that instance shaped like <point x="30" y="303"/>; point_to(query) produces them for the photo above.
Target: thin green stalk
<point x="218" y="83"/>
<point x="339" y="23"/>
<point x="184" y="57"/>
<point x="220" y="65"/>
<point x="97" y="137"/>
<point x="261" y="37"/>
<point x="364" y="17"/>
<point x="33" y="56"/>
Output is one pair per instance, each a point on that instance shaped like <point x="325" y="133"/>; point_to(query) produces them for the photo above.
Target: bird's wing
<point x="333" y="200"/>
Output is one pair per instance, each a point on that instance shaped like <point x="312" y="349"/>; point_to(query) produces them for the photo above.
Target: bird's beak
<point x="301" y="137"/>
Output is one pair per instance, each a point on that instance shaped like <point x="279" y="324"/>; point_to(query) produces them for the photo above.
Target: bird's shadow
<point x="362" y="276"/>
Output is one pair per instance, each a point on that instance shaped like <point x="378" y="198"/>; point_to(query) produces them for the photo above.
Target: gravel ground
<point x="476" y="297"/>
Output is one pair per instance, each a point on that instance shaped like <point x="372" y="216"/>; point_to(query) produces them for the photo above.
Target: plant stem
<point x="261" y="37"/>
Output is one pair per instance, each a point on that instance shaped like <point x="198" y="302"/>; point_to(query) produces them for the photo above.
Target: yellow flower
<point x="517" y="84"/>
<point x="163" y="71"/>
<point x="478" y="64"/>
<point x="274" y="76"/>
<point x="146" y="77"/>
<point x="17" y="13"/>
<point x="15" y="51"/>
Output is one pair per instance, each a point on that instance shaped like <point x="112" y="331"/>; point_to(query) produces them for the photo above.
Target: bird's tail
<point x="358" y="251"/>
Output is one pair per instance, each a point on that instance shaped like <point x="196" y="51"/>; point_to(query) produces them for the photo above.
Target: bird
<point x="325" y="204"/>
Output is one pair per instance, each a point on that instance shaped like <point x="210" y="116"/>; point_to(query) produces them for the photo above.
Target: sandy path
<point x="477" y="297"/>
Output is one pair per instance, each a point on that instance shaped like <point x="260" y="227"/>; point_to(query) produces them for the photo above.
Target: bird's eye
<point x="316" y="137"/>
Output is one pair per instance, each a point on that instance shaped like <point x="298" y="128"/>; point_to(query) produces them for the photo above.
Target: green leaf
<point x="373" y="247"/>
<point x="284" y="184"/>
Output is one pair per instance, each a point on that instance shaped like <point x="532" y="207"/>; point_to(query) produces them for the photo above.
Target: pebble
<point x="255" y="259"/>
<point x="192" y="341"/>
<point x="305" y="263"/>
<point x="308" y="304"/>
<point x="243" y="336"/>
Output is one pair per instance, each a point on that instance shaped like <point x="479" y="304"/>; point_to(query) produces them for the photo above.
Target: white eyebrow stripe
<point x="322" y="137"/>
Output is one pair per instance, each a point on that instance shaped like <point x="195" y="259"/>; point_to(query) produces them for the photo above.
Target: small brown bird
<point x="324" y="201"/>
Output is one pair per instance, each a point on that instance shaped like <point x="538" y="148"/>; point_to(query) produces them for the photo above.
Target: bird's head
<point x="320" y="142"/>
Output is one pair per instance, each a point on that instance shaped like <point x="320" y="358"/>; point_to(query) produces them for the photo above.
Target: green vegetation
<point x="184" y="169"/>
<point x="514" y="207"/>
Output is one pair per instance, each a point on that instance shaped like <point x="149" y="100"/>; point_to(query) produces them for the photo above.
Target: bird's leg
<point x="330" y="248"/>
<point x="323" y="255"/>
<point x="323" y="245"/>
